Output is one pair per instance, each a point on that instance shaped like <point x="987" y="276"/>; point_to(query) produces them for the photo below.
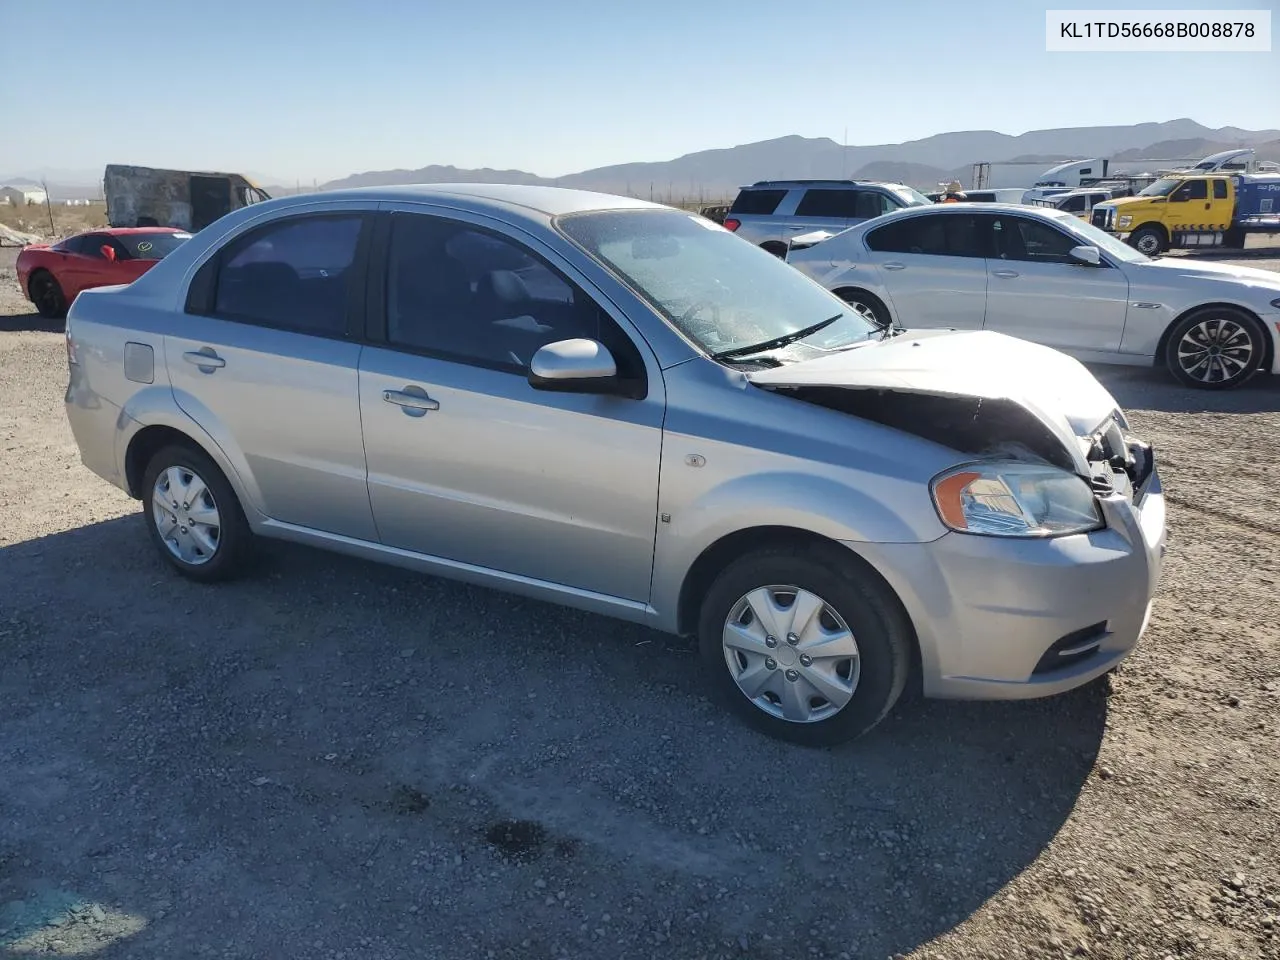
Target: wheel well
<point x="1268" y="345"/>
<point x="776" y="248"/>
<point x="875" y="301"/>
<point x="1153" y="225"/>
<point x="145" y="445"/>
<point x="728" y="548"/>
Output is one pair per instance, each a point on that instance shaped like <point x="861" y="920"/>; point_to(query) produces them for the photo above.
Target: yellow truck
<point x="1194" y="210"/>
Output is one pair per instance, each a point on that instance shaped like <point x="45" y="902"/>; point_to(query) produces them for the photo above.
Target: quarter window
<point x="759" y="203"/>
<point x="294" y="274"/>
<point x="470" y="295"/>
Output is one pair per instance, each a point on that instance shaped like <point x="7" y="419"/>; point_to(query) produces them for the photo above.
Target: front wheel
<point x="1216" y="348"/>
<point x="193" y="515"/>
<point x="804" y="645"/>
<point x="1148" y="240"/>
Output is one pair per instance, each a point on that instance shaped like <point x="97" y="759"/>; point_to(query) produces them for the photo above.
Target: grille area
<point x="1070" y="649"/>
<point x="1100" y="219"/>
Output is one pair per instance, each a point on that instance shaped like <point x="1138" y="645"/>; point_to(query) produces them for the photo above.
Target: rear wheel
<point x="804" y="645"/>
<point x="46" y="294"/>
<point x="1216" y="348"/>
<point x="868" y="307"/>
<point x="193" y="515"/>
<point x="779" y="250"/>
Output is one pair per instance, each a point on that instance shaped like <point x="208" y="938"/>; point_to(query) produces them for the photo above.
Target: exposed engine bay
<point x="984" y="427"/>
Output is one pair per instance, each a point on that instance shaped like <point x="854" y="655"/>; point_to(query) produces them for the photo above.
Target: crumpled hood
<point x="1056" y="388"/>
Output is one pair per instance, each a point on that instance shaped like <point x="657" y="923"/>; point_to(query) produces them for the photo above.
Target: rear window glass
<point x="757" y="202"/>
<point x="151" y="246"/>
<point x="829" y="203"/>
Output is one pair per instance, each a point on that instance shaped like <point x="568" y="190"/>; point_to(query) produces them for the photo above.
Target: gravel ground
<point x="344" y="760"/>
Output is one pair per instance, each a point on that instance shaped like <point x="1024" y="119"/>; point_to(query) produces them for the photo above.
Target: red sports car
<point x="52" y="276"/>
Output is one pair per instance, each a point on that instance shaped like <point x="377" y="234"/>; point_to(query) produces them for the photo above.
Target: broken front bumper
<point x="1002" y="618"/>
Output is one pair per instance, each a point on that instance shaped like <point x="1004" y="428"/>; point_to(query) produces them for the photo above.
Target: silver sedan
<point x="624" y="408"/>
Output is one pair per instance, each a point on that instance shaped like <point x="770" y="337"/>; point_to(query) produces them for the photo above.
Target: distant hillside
<point x="719" y="172"/>
<point x="1200" y="147"/>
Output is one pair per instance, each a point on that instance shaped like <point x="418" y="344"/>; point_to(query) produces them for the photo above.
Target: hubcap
<point x="1148" y="244"/>
<point x="804" y="681"/>
<point x="186" y="515"/>
<point x="1215" y="351"/>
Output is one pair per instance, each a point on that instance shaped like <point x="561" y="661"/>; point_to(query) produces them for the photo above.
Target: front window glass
<point x="724" y="294"/>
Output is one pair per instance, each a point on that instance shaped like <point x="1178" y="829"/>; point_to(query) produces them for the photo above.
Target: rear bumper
<point x="1002" y="619"/>
<point x="94" y="423"/>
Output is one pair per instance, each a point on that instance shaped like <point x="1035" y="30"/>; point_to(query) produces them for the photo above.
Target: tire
<point x="202" y="551"/>
<point x="863" y="303"/>
<point x="46" y="294"/>
<point x="779" y="250"/>
<point x="1215" y="348"/>
<point x="1148" y="240"/>
<point x="878" y="628"/>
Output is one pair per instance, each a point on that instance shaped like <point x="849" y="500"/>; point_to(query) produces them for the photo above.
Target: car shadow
<point x="249" y="718"/>
<point x="1152" y="388"/>
<point x="30" y="323"/>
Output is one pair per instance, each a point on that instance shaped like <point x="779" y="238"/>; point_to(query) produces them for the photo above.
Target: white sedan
<point x="1051" y="278"/>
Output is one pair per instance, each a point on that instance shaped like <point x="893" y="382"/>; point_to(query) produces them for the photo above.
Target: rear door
<point x="821" y="208"/>
<point x="933" y="268"/>
<point x="267" y="362"/>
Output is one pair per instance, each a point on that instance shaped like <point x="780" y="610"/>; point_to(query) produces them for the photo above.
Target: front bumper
<point x="994" y="615"/>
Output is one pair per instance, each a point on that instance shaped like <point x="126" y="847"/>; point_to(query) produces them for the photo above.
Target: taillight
<point x="71" y="347"/>
<point x="732" y="224"/>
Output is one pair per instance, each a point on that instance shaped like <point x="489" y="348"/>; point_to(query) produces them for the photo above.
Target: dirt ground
<point x="337" y="759"/>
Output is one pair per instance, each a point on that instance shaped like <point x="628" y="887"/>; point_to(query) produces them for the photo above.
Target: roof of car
<point x="126" y="231"/>
<point x="551" y="201"/>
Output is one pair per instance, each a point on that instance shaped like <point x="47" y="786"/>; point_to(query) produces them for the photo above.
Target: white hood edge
<point x="1056" y="388"/>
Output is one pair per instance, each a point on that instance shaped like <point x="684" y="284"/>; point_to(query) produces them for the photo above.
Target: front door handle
<point x="412" y="400"/>
<point x="206" y="358"/>
<point x="1007" y="274"/>
<point x="894" y="265"/>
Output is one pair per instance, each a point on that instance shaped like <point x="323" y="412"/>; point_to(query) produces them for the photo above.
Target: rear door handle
<point x="1005" y="273"/>
<point x="894" y="265"/>
<point x="412" y="400"/>
<point x="206" y="358"/>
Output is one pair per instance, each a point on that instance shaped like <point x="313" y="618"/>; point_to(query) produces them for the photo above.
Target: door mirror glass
<point x="1087" y="254"/>
<point x="108" y="251"/>
<point x="573" y="366"/>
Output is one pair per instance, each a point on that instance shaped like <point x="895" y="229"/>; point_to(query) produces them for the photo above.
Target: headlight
<point x="1015" y="500"/>
<point x="1124" y="221"/>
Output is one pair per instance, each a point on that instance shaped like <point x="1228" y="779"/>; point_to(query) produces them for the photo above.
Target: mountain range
<point x="923" y="163"/>
<point x="717" y="173"/>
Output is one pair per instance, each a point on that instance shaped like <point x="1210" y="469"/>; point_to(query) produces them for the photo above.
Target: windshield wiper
<point x="776" y="342"/>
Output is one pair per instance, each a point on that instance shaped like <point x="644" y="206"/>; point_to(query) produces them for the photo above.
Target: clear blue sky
<point x="322" y="88"/>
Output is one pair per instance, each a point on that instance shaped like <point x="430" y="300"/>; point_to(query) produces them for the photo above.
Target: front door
<point x="1037" y="291"/>
<point x="264" y="362"/>
<point x="469" y="462"/>
<point x="210" y="199"/>
<point x="933" y="269"/>
<point x="1189" y="207"/>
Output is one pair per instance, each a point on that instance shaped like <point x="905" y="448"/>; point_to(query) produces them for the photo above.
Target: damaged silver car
<point x="622" y="407"/>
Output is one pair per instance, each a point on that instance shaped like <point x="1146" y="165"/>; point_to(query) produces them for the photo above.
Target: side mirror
<point x="1087" y="254"/>
<point x="574" y="366"/>
<point x="108" y="251"/>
